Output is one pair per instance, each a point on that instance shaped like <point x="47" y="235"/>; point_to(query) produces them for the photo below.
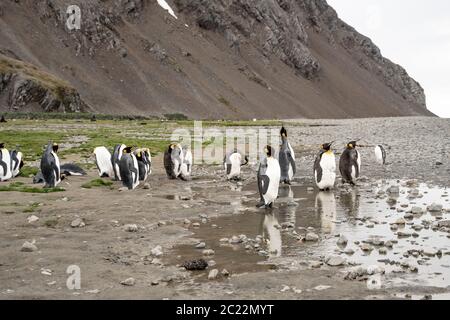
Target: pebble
<point x="208" y="252"/>
<point x="311" y="237"/>
<point x="225" y="273"/>
<point x="130" y="228"/>
<point x="235" y="240"/>
<point x="393" y="190"/>
<point x="416" y="210"/>
<point x="77" y="223"/>
<point x="224" y="240"/>
<point x="28" y="247"/>
<point x="342" y="241"/>
<point x="335" y="261"/>
<point x="435" y="207"/>
<point x="157" y="251"/>
<point x="213" y="274"/>
<point x="382" y="251"/>
<point x="196" y="225"/>
<point x="200" y="245"/>
<point x="322" y="287"/>
<point x="128" y="282"/>
<point x="315" y="264"/>
<point x="187" y="221"/>
<point x="366" y="247"/>
<point x="147" y="186"/>
<point x="349" y="251"/>
<point x="32" y="219"/>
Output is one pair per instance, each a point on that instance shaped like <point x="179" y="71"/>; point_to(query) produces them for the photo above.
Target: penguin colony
<point x="132" y="166"/>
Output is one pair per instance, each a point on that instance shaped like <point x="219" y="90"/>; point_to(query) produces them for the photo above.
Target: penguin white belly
<point x="328" y="165"/>
<point x="103" y="159"/>
<point x="6" y="158"/>
<point x="379" y="155"/>
<point x="235" y="160"/>
<point x="186" y="165"/>
<point x="135" y="176"/>
<point x="274" y="173"/>
<point x="359" y="162"/>
<point x="57" y="173"/>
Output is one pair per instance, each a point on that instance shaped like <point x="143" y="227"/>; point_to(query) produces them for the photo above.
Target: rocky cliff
<point x="203" y="58"/>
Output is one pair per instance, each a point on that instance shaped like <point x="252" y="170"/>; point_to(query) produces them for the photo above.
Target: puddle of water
<point x="360" y="213"/>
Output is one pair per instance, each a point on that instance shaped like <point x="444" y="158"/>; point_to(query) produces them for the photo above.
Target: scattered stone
<point x="383" y="251"/>
<point x="213" y="274"/>
<point x="32" y="219"/>
<point x="335" y="261"/>
<point x="196" y="225"/>
<point x="400" y="222"/>
<point x="224" y="240"/>
<point x="128" y="282"/>
<point x="310" y="189"/>
<point x="155" y="283"/>
<point x="46" y="272"/>
<point x="393" y="190"/>
<point x="416" y="210"/>
<point x="235" y="240"/>
<point x="157" y="251"/>
<point x="366" y="247"/>
<point x="435" y="207"/>
<point x="147" y="186"/>
<point x="342" y="241"/>
<point x="130" y="228"/>
<point x="225" y="273"/>
<point x="315" y="264"/>
<point x="187" y="221"/>
<point x="430" y="252"/>
<point x="199" y="264"/>
<point x="95" y="291"/>
<point x="349" y="251"/>
<point x="28" y="247"/>
<point x="322" y="288"/>
<point x="77" y="223"/>
<point x="311" y="237"/>
<point x="208" y="252"/>
<point x="200" y="245"/>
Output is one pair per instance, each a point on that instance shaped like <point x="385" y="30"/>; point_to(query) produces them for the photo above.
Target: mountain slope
<point x="234" y="59"/>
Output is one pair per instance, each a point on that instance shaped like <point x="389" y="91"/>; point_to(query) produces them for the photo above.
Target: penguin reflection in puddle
<point x="289" y="208"/>
<point x="349" y="201"/>
<point x="326" y="208"/>
<point x="271" y="234"/>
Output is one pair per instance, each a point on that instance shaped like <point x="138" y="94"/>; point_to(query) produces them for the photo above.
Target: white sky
<point x="412" y="33"/>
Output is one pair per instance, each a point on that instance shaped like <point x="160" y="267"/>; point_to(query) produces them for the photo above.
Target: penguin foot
<point x="261" y="205"/>
<point x="269" y="206"/>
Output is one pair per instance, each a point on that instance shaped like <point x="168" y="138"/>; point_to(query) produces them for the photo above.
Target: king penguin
<point x="232" y="164"/>
<point x="380" y="154"/>
<point x="144" y="159"/>
<point x="350" y="163"/>
<point x="16" y="162"/>
<point x="286" y="158"/>
<point x="325" y="168"/>
<point x="103" y="160"/>
<point x="5" y="163"/>
<point x="50" y="167"/>
<point x="186" y="165"/>
<point x="129" y="169"/>
<point x="173" y="159"/>
<point x="269" y="174"/>
<point x="115" y="160"/>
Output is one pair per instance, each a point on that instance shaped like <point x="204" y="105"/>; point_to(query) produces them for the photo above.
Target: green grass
<point x="31" y="208"/>
<point x="21" y="187"/>
<point x="28" y="171"/>
<point x="30" y="143"/>
<point x="51" y="223"/>
<point x="97" y="183"/>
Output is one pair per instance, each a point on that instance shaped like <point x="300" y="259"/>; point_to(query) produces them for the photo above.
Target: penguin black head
<point x="268" y="150"/>
<point x="283" y="132"/>
<point x="327" y="146"/>
<point x="2" y="145"/>
<point x="352" y="144"/>
<point x="55" y="147"/>
<point x="127" y="149"/>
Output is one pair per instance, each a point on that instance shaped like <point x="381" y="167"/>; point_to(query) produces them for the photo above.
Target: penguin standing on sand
<point x="50" y="166"/>
<point x="186" y="165"/>
<point x="16" y="162"/>
<point x="380" y="154"/>
<point x="115" y="160"/>
<point x="129" y="169"/>
<point x="103" y="160"/>
<point x="173" y="159"/>
<point x="350" y="163"/>
<point x="286" y="158"/>
<point x="5" y="163"/>
<point x="232" y="164"/>
<point x="144" y="159"/>
<point x="325" y="168"/>
<point x="269" y="174"/>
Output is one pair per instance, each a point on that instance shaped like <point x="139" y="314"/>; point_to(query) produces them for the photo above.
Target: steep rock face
<point x="235" y="59"/>
<point x="23" y="86"/>
<point x="279" y="27"/>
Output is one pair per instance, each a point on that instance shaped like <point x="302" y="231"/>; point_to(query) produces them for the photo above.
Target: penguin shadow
<point x="271" y="233"/>
<point x="325" y="205"/>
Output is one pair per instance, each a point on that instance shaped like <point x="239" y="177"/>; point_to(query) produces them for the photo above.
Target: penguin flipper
<point x="264" y="184"/>
<point x="3" y="164"/>
<point x="229" y="168"/>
